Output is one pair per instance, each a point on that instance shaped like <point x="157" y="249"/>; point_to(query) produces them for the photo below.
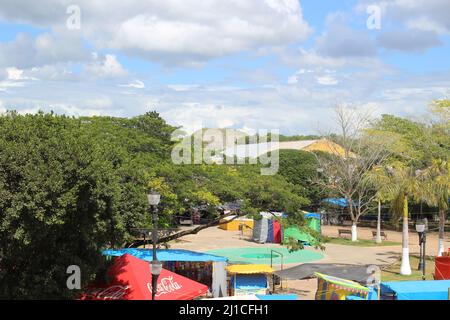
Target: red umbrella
<point x="130" y="279"/>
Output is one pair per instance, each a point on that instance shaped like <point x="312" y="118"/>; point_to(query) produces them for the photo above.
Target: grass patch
<point x="392" y="273"/>
<point x="361" y="242"/>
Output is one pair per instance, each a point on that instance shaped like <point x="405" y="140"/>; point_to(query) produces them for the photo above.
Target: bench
<point x="382" y="233"/>
<point x="344" y="231"/>
<point x="186" y="222"/>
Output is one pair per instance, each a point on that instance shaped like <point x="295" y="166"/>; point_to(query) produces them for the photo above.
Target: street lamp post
<point x="156" y="266"/>
<point x="421" y="228"/>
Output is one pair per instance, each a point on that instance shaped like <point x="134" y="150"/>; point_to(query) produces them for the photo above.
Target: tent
<point x="249" y="279"/>
<point x="340" y="202"/>
<point x="334" y="288"/>
<point x="312" y="221"/>
<point x="267" y="230"/>
<point x="166" y="255"/>
<point x="206" y="268"/>
<point x="236" y="223"/>
<point x="131" y="279"/>
<point x="261" y="230"/>
<point x="416" y="290"/>
<point x="442" y="268"/>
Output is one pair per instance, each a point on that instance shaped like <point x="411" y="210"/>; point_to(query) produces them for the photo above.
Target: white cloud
<point x="106" y="67"/>
<point x="425" y="15"/>
<point x="304" y="107"/>
<point x="340" y="41"/>
<point x="327" y="80"/>
<point x="409" y="41"/>
<point x="173" y="31"/>
<point x="136" y="84"/>
<point x="46" y="49"/>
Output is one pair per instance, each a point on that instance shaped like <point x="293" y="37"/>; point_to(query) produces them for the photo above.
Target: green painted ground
<point x="262" y="255"/>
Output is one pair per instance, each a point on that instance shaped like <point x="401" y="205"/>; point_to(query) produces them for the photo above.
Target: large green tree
<point x="68" y="188"/>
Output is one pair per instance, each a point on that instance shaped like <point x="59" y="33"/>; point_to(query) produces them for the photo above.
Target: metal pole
<point x="420" y="267"/>
<point x="424" y="246"/>
<point x="154" y="240"/>
<point x="144" y="240"/>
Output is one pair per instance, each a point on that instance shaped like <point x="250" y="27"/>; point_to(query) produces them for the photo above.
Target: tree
<point x="300" y="169"/>
<point x="201" y="184"/>
<point x="397" y="183"/>
<point x="436" y="190"/>
<point x="426" y="148"/>
<point x="437" y="175"/>
<point x="68" y="188"/>
<point x="345" y="173"/>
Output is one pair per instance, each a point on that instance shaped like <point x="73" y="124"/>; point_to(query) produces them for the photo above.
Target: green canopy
<point x="296" y="233"/>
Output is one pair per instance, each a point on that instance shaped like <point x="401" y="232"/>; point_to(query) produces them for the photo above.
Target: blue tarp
<point x="417" y="290"/>
<point x="354" y="298"/>
<point x="277" y="296"/>
<point x="167" y="255"/>
<point x="341" y="202"/>
<point x="270" y="232"/>
<point x="312" y="215"/>
<point x="250" y="281"/>
<point x="373" y="294"/>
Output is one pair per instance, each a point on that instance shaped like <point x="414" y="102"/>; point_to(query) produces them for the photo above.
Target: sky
<point x="242" y="64"/>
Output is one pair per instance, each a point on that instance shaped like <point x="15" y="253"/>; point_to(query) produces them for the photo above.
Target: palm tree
<point x="397" y="183"/>
<point x="436" y="192"/>
<point x="378" y="238"/>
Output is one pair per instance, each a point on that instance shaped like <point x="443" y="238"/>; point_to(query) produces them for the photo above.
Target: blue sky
<point x="247" y="64"/>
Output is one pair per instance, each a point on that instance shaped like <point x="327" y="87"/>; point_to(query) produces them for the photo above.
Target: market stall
<point x="267" y="230"/>
<point x="236" y="224"/>
<point x="205" y="268"/>
<point x="442" y="268"/>
<point x="130" y="279"/>
<point x="249" y="279"/>
<point x="334" y="288"/>
<point x="416" y="290"/>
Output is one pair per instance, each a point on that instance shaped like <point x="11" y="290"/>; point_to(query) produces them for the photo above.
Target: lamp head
<point x="153" y="198"/>
<point x="421" y="226"/>
<point x="156" y="267"/>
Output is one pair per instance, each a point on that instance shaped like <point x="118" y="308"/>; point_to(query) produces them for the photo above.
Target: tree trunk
<point x="441" y="248"/>
<point x="354" y="231"/>
<point x="378" y="239"/>
<point x="405" y="268"/>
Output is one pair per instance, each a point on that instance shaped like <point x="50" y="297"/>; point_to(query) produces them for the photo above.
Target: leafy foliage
<point x="70" y="187"/>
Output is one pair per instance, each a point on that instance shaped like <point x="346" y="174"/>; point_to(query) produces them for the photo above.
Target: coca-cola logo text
<point x="165" y="286"/>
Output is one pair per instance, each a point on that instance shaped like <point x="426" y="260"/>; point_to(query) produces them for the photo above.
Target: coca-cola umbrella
<point x="131" y="279"/>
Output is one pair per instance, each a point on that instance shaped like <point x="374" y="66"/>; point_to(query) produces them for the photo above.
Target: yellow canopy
<point x="249" y="269"/>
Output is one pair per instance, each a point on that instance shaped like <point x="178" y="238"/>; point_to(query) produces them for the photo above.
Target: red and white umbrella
<point x="131" y="279"/>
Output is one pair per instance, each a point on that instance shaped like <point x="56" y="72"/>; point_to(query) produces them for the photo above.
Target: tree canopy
<point x="70" y="187"/>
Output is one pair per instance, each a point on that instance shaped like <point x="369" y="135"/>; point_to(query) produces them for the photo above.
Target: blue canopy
<point x="373" y="295"/>
<point x="341" y="202"/>
<point x="417" y="290"/>
<point x="167" y="255"/>
<point x="312" y="215"/>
